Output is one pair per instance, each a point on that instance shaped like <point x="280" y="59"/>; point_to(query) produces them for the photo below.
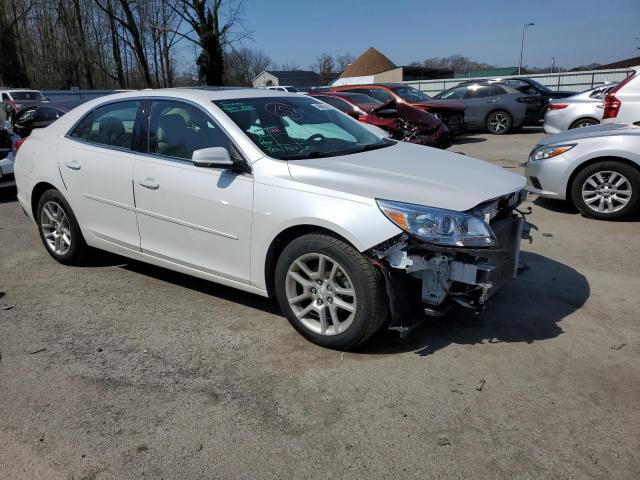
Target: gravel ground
<point x="122" y="370"/>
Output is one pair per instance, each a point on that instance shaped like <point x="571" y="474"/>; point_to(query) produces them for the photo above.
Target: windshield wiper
<point x="304" y="156"/>
<point x="367" y="148"/>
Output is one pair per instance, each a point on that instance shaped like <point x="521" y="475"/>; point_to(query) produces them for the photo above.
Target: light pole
<point x="524" y="27"/>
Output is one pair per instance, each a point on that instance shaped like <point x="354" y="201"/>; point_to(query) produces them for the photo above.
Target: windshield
<point x="297" y="128"/>
<point x="411" y="95"/>
<point x="27" y="96"/>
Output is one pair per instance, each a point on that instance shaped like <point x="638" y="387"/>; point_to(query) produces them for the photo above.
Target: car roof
<point x="18" y="90"/>
<point x="368" y="85"/>
<point x="206" y="94"/>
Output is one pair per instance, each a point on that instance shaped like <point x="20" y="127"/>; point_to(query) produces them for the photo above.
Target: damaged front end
<point x="427" y="278"/>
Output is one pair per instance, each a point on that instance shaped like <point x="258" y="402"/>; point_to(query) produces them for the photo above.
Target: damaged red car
<point x="451" y="112"/>
<point x="402" y="121"/>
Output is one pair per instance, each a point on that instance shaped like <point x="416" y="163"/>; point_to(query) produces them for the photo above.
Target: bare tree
<point x="214" y="30"/>
<point x="343" y="61"/>
<point x="287" y="67"/>
<point x="243" y="65"/>
<point x="325" y="67"/>
<point x="12" y="65"/>
<point x="126" y="17"/>
<point x="457" y="63"/>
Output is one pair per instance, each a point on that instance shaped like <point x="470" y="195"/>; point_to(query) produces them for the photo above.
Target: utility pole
<point x="553" y="63"/>
<point x="524" y="27"/>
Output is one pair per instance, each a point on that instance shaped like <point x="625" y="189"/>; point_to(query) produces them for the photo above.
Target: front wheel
<point x="330" y="292"/>
<point x="607" y="190"/>
<point x="59" y="229"/>
<point x="499" y="123"/>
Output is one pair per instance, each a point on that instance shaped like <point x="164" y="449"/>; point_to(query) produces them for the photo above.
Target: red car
<point x="403" y="121"/>
<point x="451" y="112"/>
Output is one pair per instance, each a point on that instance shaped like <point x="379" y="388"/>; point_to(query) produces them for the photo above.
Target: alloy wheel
<point x="499" y="123"/>
<point x="606" y="192"/>
<point x="585" y="123"/>
<point x="321" y="294"/>
<point x="55" y="228"/>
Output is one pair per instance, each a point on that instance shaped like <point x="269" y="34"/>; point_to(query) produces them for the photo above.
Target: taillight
<point x="611" y="103"/>
<point x="611" y="106"/>
<point x="17" y="145"/>
<point x="557" y="106"/>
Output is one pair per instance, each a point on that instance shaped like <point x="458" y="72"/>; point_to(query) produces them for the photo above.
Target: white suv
<point x="622" y="103"/>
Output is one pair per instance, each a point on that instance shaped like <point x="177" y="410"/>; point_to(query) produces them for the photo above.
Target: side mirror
<point x="212" y="157"/>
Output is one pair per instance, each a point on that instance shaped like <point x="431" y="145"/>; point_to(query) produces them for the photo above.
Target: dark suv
<point x="496" y="106"/>
<point x="530" y="86"/>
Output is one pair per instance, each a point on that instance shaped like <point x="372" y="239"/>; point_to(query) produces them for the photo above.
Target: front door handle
<point x="149" y="183"/>
<point x="73" y="165"/>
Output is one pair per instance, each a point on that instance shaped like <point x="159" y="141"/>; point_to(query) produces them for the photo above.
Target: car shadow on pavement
<point x="467" y="139"/>
<point x="527" y="310"/>
<point x="203" y="286"/>
<point x="558" y="206"/>
<point x="565" y="207"/>
<point x="8" y="195"/>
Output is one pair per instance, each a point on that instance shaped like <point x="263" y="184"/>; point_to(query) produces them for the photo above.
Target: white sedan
<point x="275" y="194"/>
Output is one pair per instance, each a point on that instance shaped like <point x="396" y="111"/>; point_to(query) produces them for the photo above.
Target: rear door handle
<point x="149" y="183"/>
<point x="73" y="165"/>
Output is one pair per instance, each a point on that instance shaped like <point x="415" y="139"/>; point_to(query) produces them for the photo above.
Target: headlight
<point x="542" y="153"/>
<point x="438" y="226"/>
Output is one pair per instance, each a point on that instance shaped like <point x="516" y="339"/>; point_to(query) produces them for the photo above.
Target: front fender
<point x="277" y="209"/>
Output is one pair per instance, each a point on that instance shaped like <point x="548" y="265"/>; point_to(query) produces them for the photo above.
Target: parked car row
<point x="498" y="106"/>
<point x="596" y="168"/>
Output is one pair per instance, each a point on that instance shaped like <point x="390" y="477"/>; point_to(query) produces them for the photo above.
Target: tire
<point x="345" y="270"/>
<point x="59" y="229"/>
<point x="584" y="122"/>
<point x="499" y="122"/>
<point x="597" y="190"/>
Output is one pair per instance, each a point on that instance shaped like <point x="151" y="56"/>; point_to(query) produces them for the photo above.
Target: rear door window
<point x="110" y="125"/>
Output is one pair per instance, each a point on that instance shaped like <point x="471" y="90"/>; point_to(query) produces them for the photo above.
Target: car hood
<point x="410" y="173"/>
<point x="435" y="103"/>
<point x="602" y="130"/>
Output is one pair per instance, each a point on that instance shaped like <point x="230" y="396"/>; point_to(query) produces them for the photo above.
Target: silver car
<point x="580" y="110"/>
<point x="596" y="168"/>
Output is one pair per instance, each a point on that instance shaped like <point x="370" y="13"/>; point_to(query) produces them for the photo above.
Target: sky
<point x="575" y="32"/>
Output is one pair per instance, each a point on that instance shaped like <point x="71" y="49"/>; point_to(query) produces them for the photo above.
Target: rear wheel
<point x="607" y="190"/>
<point x="330" y="292"/>
<point x="584" y="122"/>
<point x="499" y="123"/>
<point x="59" y="229"/>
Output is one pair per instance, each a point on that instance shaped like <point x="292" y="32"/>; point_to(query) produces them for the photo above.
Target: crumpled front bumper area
<point x="427" y="280"/>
